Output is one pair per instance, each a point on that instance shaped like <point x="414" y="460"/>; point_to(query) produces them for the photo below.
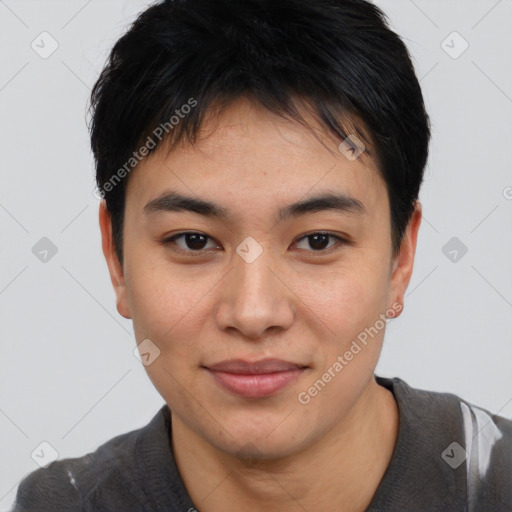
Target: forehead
<point x="256" y="155"/>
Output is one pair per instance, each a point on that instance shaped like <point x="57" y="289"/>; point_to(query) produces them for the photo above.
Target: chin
<point x="254" y="451"/>
<point x="248" y="442"/>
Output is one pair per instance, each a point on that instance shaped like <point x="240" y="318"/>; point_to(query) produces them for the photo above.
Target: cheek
<point x="349" y="349"/>
<point x="163" y="302"/>
<point x="169" y="310"/>
<point x="347" y="300"/>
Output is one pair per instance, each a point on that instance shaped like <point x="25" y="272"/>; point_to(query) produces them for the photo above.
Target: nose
<point x="255" y="297"/>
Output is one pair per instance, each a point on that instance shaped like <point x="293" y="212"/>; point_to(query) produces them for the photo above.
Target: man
<point x="259" y="163"/>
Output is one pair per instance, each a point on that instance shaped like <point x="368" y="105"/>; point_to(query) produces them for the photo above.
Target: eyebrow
<point x="328" y="201"/>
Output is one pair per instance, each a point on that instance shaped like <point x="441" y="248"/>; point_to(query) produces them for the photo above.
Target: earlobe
<point x="114" y="265"/>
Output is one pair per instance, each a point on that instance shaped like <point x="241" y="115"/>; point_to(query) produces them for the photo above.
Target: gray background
<point x="68" y="375"/>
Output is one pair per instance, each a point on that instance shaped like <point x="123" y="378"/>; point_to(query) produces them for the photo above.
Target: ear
<point x="404" y="261"/>
<point x="114" y="265"/>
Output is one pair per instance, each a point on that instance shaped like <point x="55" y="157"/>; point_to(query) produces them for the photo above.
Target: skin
<point x="293" y="302"/>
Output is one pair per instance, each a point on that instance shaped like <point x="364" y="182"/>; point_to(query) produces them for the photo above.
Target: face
<point x="268" y="318"/>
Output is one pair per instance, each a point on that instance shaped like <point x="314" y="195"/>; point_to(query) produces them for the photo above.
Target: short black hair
<point x="338" y="56"/>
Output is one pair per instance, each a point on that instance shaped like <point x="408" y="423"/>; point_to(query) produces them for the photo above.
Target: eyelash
<point x="190" y="252"/>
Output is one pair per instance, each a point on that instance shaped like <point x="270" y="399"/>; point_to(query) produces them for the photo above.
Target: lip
<point x="255" y="379"/>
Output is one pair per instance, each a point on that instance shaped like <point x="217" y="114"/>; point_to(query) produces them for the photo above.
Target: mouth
<point x="255" y="379"/>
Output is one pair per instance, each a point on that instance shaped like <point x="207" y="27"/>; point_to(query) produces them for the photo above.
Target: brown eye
<point x="189" y="241"/>
<point x="318" y="242"/>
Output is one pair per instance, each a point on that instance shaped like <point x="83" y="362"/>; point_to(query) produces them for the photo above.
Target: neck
<point x="341" y="471"/>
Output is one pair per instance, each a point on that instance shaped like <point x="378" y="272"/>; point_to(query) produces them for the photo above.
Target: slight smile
<point x="255" y="379"/>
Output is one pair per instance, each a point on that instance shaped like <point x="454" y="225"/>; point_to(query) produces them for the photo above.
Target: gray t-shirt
<point x="450" y="456"/>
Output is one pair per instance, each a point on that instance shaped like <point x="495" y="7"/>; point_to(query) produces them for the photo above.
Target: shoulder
<point x="488" y="446"/>
<point x="477" y="439"/>
<point x="481" y="427"/>
<point x="89" y="482"/>
<point x="449" y="406"/>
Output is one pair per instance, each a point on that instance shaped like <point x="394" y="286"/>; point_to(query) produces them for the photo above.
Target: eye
<point x="190" y="241"/>
<point x="194" y="243"/>
<point x="319" y="241"/>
